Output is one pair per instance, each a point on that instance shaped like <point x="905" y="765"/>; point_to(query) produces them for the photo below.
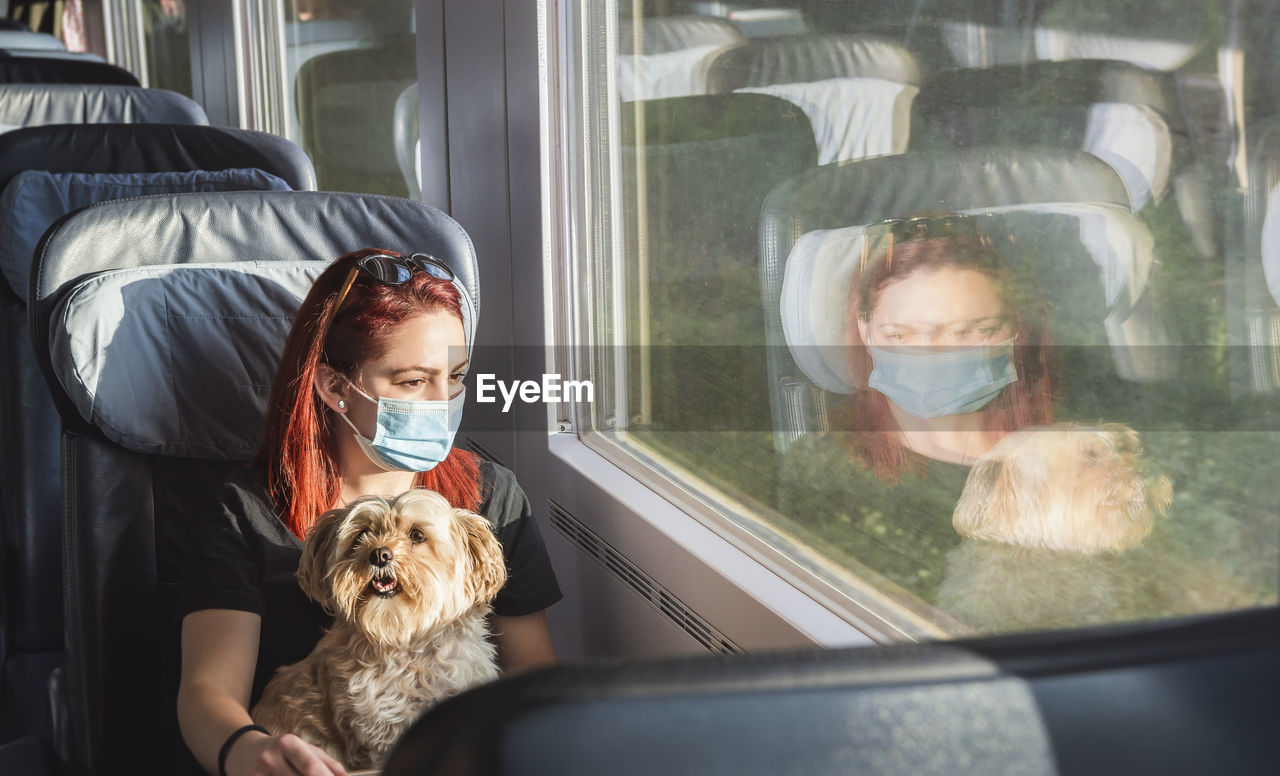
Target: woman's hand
<point x="258" y="754"/>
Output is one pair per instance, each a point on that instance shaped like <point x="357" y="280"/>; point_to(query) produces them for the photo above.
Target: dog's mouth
<point x="384" y="585"/>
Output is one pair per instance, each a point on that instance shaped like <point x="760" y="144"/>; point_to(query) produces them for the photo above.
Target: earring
<point x="342" y="405"/>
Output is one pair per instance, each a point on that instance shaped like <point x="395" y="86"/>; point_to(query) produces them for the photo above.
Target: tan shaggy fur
<point x="409" y="584"/>
<point x="1053" y="518"/>
<point x="1075" y="489"/>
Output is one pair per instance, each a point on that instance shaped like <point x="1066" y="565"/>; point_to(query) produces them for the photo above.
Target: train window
<point x="351" y="101"/>
<point x="968" y="314"/>
<point x="166" y="44"/>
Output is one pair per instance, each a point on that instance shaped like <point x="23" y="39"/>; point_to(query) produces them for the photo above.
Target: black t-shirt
<point x="244" y="558"/>
<point x="901" y="530"/>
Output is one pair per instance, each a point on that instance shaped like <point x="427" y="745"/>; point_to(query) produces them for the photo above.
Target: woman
<point x="949" y="356"/>
<point x="379" y="339"/>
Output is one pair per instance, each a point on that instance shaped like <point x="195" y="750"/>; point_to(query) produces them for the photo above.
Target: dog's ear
<point x="315" y="572"/>
<point x="484" y="553"/>
<point x="975" y="500"/>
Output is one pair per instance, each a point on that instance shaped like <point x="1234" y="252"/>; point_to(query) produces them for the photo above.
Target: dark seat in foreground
<point x="1176" y="698"/>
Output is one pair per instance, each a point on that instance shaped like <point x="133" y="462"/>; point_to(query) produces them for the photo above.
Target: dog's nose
<point x="380" y="556"/>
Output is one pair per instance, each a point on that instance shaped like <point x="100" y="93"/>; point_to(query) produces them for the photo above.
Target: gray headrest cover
<point x="178" y="360"/>
<point x="34" y="199"/>
<point x="23" y="39"/>
<point x="25" y="105"/>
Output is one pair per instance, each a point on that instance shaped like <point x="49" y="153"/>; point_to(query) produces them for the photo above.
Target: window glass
<point x="167" y="45"/>
<point x="352" y="104"/>
<point x="966" y="317"/>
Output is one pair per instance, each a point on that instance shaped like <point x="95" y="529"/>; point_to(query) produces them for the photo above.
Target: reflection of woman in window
<point x="949" y="356"/>
<point x="951" y="362"/>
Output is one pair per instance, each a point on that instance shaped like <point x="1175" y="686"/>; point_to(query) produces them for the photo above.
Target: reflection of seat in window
<point x="1151" y="34"/>
<point x="1122" y="114"/>
<point x="1074" y="239"/>
<point x="1261" y="310"/>
<point x="855" y="89"/>
<point x="346" y="102"/>
<point x="691" y="230"/>
<point x="667" y="56"/>
<point x="1117" y="112"/>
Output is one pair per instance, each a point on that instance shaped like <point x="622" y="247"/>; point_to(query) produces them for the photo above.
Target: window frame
<point x="574" y="234"/>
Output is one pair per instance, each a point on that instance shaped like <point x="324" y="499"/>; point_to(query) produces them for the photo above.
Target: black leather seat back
<point x="56" y="70"/>
<point x="135" y="481"/>
<point x="1184" y="698"/>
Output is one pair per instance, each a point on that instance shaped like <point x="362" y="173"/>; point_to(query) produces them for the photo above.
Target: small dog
<point x="1075" y="489"/>
<point x="409" y="584"/>
<point x="1047" y="515"/>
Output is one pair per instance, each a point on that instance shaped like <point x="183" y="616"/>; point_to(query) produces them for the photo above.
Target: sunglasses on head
<point x="393" y="270"/>
<point x="900" y="230"/>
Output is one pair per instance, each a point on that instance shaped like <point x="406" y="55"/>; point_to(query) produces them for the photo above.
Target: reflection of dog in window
<point x="409" y="584"/>
<point x="1048" y="515"/>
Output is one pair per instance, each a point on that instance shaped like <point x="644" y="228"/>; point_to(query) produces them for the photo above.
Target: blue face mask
<point x="412" y="436"/>
<point x="935" y="385"/>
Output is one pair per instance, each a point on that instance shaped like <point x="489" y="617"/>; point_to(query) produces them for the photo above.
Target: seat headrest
<point x="1271" y="243"/>
<point x="34" y="199"/>
<point x="852" y="118"/>
<point x="26" y="39"/>
<point x="178" y="360"/>
<point x="236" y="226"/>
<point x="814" y="302"/>
<point x="57" y="70"/>
<point x="672" y="33"/>
<point x="799" y="58"/>
<point x="977" y="177"/>
<point x="151" y="147"/>
<point x="25" y="105"/>
<point x="1138" y="32"/>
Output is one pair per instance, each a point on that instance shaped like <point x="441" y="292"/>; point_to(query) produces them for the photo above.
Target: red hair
<point x="1026" y="402"/>
<point x="297" y="460"/>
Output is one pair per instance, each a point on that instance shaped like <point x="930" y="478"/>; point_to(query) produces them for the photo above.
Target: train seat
<point x="1203" y="690"/>
<point x="309" y="39"/>
<point x="61" y="70"/>
<point x="82" y="56"/>
<point x="1114" y="110"/>
<point x="1142" y="33"/>
<point x="1121" y="113"/>
<point x="1258" y="287"/>
<point x="855" y="89"/>
<point x="805" y="58"/>
<point x="148" y="423"/>
<point x="24" y="105"/>
<point x="667" y="56"/>
<point x="336" y="93"/>
<point x="408" y="140"/>
<point x="659" y="35"/>
<point x="45" y="173"/>
<point x="708" y="163"/>
<point x="26" y="39"/>
<point x="1059" y="203"/>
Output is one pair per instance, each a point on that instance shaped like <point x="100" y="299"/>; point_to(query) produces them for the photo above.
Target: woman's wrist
<point x="232" y="740"/>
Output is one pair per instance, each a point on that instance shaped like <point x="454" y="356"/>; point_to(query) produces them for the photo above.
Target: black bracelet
<point x="231" y="739"/>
